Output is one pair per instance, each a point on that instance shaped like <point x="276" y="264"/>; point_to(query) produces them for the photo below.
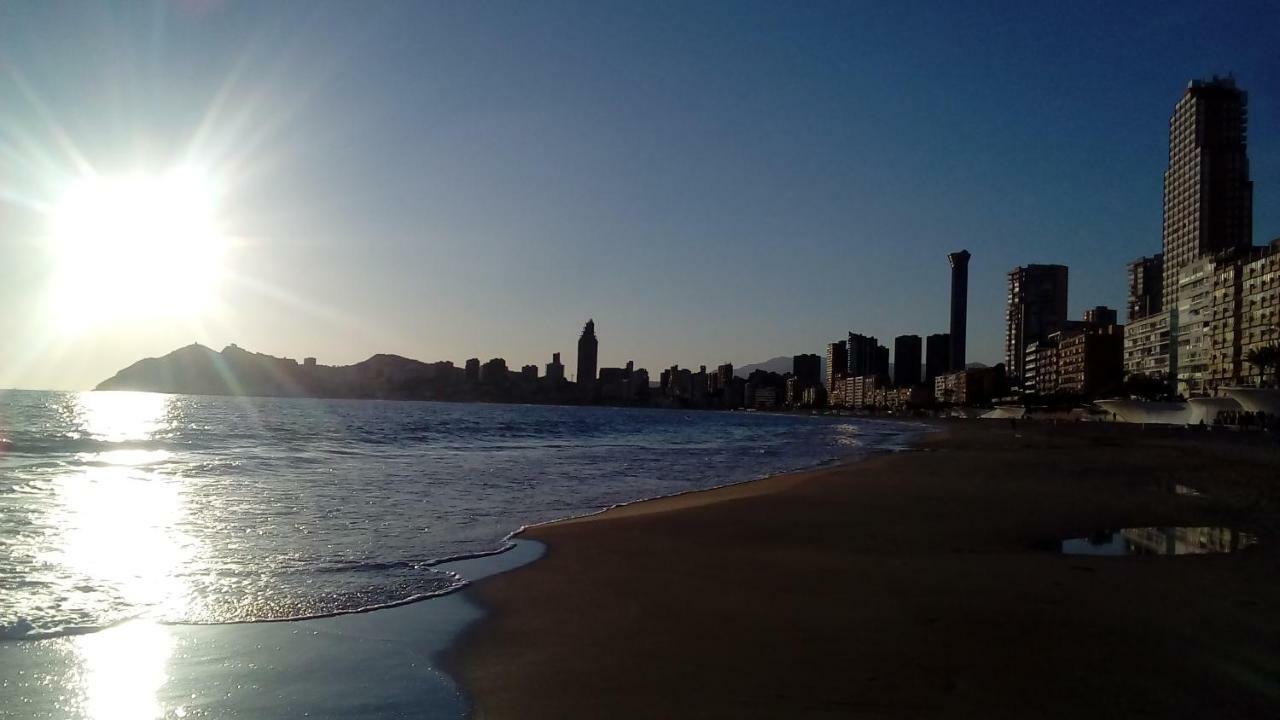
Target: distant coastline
<point x="200" y="370"/>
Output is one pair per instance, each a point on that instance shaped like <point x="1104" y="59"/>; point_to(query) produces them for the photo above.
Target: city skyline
<point x="473" y="220"/>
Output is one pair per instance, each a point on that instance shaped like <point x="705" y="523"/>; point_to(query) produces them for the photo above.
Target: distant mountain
<point x="198" y="370"/>
<point x="780" y="365"/>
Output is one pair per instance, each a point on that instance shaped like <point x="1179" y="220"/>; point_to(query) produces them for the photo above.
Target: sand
<point x="919" y="584"/>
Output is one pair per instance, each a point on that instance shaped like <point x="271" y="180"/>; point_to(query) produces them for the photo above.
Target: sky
<point x="711" y="182"/>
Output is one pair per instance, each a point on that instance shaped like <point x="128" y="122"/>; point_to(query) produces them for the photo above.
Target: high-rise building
<point x="862" y="351"/>
<point x="959" y="306"/>
<point x="906" y="360"/>
<point x="880" y="362"/>
<point x="1037" y="307"/>
<point x="472" y="372"/>
<point x="555" y="368"/>
<point x="588" y="354"/>
<point x="807" y="370"/>
<point x="1100" y="315"/>
<point x="1208" y="197"/>
<point x="937" y="356"/>
<point x="837" y="363"/>
<point x="1146" y="283"/>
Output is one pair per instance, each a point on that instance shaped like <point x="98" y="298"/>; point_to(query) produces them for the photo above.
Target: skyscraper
<point x="807" y="370"/>
<point x="837" y="362"/>
<point x="862" y="355"/>
<point x="906" y="360"/>
<point x="1037" y="307"/>
<point x="1208" y="197"/>
<point x="959" y="306"/>
<point x="937" y="357"/>
<point x="588" y="353"/>
<point x="1146" y="282"/>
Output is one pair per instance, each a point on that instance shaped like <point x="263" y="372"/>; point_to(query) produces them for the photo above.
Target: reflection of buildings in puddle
<point x="121" y="671"/>
<point x="1160" y="541"/>
<point x="1186" y="540"/>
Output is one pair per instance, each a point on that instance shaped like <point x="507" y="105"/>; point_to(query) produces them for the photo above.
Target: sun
<point x="136" y="247"/>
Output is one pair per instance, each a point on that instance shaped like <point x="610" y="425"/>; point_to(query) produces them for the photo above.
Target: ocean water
<point x="191" y="509"/>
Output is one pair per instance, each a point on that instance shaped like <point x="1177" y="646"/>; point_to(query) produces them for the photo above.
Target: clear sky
<point x="712" y="182"/>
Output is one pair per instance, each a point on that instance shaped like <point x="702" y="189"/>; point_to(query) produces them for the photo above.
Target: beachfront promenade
<point x="918" y="584"/>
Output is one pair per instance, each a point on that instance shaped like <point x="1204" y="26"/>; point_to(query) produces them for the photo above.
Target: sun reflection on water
<point x="122" y="671"/>
<point x="119" y="528"/>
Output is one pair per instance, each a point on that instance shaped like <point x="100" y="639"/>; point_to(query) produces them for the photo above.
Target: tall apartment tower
<point x="937" y="356"/>
<point x="588" y="354"/>
<point x="862" y="355"/>
<point x="1037" y="307"/>
<point x="837" y="362"/>
<point x="807" y="369"/>
<point x="1208" y="197"/>
<point x="959" y="306"/>
<point x="1146" y="283"/>
<point x="906" y="360"/>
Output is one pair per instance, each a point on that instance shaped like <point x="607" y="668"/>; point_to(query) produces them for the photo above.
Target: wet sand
<point x="918" y="584"/>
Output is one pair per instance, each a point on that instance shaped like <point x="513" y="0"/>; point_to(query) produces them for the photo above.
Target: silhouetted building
<point x="1208" y="197"/>
<point x="1100" y="316"/>
<point x="959" y="306"/>
<point x="588" y="352"/>
<point x="862" y="355"/>
<point x="555" y="368"/>
<point x="529" y="372"/>
<point x="837" y="364"/>
<point x="309" y="362"/>
<point x="807" y="369"/>
<point x="1146" y="283"/>
<point x="880" y="361"/>
<point x="472" y="372"/>
<point x="974" y="386"/>
<point x="906" y="360"/>
<point x="937" y="356"/>
<point x="1037" y="307"/>
<point x="494" y="372"/>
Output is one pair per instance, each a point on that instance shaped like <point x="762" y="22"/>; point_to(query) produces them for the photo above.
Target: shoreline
<point x="624" y="596"/>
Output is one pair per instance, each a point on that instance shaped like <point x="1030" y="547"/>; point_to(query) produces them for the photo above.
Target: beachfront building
<point x="1036" y="307"/>
<point x="555" y="369"/>
<point x="588" y="355"/>
<point x="959" y="306"/>
<point x="1040" y="371"/>
<point x="862" y="355"/>
<point x="906" y="360"/>
<point x="1091" y="362"/>
<point x="472" y="371"/>
<point x="1259" y="304"/>
<point x="937" y="348"/>
<point x="1208" y="196"/>
<point x="1148" y="346"/>
<point x="972" y="386"/>
<point x="837" y="365"/>
<point x="1146" y="283"/>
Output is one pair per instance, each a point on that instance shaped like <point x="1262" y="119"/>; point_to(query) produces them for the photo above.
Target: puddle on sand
<point x="1160" y="541"/>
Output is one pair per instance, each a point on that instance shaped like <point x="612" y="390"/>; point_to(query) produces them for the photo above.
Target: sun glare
<point x="136" y="247"/>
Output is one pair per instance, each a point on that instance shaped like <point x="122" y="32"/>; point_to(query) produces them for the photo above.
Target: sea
<point x="175" y="556"/>
<point x="194" y="509"/>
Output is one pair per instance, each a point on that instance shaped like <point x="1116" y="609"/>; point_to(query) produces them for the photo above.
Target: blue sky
<point x="712" y="182"/>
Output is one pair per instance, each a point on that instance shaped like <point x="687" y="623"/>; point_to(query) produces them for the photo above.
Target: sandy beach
<point x="918" y="584"/>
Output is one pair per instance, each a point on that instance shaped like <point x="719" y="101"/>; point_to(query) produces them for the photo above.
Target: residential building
<point x="555" y="369"/>
<point x="937" y="356"/>
<point x="862" y="355"/>
<point x="1040" y="367"/>
<point x="1091" y="362"/>
<point x="906" y="360"/>
<point x="1036" y="308"/>
<point x="588" y="354"/>
<point x="959" y="306"/>
<point x="529" y="372"/>
<point x="1146" y="283"/>
<point x="472" y="372"/>
<point x="1148" y="346"/>
<point x="1259" y="304"/>
<point x="1208" y="196"/>
<point x="807" y="369"/>
<point x="837" y="364"/>
<point x="974" y="386"/>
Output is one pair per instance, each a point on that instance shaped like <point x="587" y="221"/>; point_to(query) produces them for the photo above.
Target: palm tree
<point x="1263" y="358"/>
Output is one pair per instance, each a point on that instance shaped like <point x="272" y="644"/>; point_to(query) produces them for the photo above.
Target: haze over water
<point x="201" y="509"/>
